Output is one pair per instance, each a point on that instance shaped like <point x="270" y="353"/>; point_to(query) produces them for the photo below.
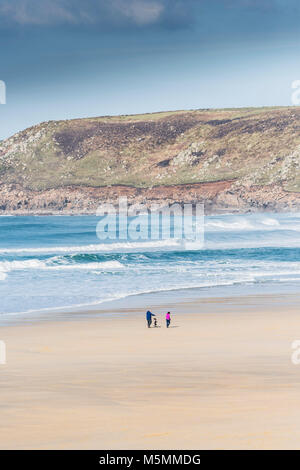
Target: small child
<point x="155" y="323"/>
<point x="168" y="319"/>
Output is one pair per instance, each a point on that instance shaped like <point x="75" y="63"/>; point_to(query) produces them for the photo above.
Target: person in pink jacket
<point x="168" y="319"/>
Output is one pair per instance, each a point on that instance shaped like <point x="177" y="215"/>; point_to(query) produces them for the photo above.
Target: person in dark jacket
<point x="149" y="316"/>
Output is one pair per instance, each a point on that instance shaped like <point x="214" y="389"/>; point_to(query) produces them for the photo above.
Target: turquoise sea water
<point x="57" y="262"/>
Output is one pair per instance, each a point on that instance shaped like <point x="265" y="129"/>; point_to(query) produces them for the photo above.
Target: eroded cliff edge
<point x="235" y="160"/>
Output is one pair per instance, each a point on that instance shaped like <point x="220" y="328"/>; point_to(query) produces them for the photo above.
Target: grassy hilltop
<point x="249" y="147"/>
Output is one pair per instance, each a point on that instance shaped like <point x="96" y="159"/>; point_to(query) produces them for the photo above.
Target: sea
<point x="56" y="263"/>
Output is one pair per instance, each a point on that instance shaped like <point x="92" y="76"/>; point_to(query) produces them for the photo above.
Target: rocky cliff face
<point x="232" y="160"/>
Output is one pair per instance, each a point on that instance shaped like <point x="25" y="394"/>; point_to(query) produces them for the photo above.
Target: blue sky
<point x="72" y="58"/>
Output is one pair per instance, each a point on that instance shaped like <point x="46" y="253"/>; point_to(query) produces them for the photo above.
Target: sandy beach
<point x="220" y="378"/>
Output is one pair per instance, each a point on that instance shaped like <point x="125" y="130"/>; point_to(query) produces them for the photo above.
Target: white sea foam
<point x="248" y="243"/>
<point x="249" y="224"/>
<point x="7" y="266"/>
<point x="270" y="222"/>
<point x="163" y="245"/>
<point x="124" y="295"/>
<point x="66" y="275"/>
<point x="219" y="225"/>
<point x="102" y="247"/>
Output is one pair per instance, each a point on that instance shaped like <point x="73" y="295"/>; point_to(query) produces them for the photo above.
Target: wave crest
<point x="7" y="266"/>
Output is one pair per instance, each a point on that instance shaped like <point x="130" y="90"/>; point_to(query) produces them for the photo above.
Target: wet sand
<point x="220" y="378"/>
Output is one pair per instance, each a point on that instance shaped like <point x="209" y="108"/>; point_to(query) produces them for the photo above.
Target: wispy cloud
<point x="141" y="12"/>
<point x="34" y="12"/>
<point x="262" y="4"/>
<point x="106" y="12"/>
<point x="120" y="13"/>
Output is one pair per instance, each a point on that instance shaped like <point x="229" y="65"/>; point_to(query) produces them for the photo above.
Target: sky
<point x="62" y="59"/>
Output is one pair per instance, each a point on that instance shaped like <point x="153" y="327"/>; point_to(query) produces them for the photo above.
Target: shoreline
<point x="218" y="212"/>
<point x="220" y="378"/>
<point x="130" y="304"/>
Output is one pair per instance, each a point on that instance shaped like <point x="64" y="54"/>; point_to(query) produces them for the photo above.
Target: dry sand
<point x="220" y="379"/>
